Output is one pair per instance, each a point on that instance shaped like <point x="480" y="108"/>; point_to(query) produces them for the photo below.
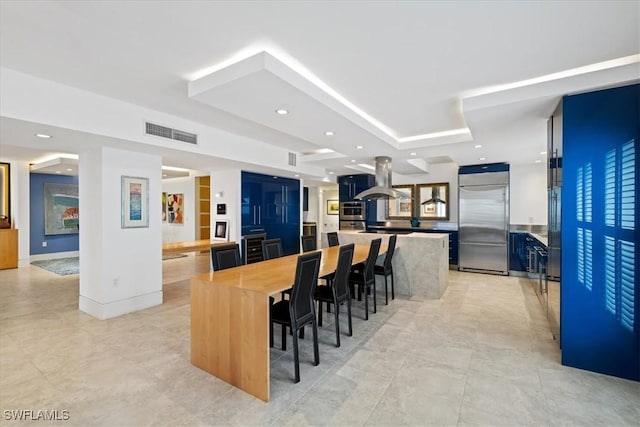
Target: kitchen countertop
<point x="444" y="227"/>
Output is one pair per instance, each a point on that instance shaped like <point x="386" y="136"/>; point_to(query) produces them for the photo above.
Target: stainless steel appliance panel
<point x="484" y="214"/>
<point x="483" y="256"/>
<point x="483" y="224"/>
<point x="352" y="225"/>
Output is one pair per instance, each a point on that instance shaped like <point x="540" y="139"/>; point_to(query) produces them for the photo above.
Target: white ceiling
<point x="372" y="72"/>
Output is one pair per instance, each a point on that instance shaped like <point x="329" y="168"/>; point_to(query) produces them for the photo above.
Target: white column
<point x="120" y="268"/>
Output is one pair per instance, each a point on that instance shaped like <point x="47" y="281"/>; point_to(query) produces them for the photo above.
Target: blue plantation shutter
<point x="627" y="281"/>
<point x="610" y="189"/>
<point x="628" y="186"/>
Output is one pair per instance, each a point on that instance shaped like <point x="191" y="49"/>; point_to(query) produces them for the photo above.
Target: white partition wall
<point x="120" y="268"/>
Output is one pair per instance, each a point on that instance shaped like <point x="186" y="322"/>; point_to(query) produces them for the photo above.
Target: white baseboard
<point x="118" y="308"/>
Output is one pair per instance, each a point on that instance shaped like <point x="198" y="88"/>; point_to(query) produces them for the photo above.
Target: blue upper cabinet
<point x="271" y="205"/>
<point x="600" y="294"/>
<point x="350" y="185"/>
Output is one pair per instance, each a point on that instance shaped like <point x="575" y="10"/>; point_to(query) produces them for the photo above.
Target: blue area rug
<point x="61" y="266"/>
<point x="66" y="266"/>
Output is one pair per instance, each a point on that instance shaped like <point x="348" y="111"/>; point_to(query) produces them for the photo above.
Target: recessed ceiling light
<point x="543" y="152"/>
<point x="483" y="158"/>
<point x="330" y="173"/>
<point x="296" y="175"/>
<point x="538" y="161"/>
<point x="329" y="133"/>
<point x="43" y="135"/>
<point x="477" y="146"/>
<point x="58" y="172"/>
<point x="359" y="147"/>
<point x="164" y="175"/>
<point x="353" y="160"/>
<point x="282" y="111"/>
<point x="69" y="169"/>
<point x="412" y="154"/>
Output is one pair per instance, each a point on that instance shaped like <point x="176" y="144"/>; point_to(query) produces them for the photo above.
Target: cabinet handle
<point x="259" y="215"/>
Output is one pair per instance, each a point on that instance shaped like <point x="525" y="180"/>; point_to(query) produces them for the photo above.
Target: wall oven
<point x="353" y="211"/>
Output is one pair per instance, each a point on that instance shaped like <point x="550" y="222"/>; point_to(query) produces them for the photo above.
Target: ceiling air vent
<point x="166" y="132"/>
<point x="292" y="159"/>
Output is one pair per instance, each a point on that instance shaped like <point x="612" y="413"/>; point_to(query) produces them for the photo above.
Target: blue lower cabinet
<point x="453" y="248"/>
<point x="517" y="252"/>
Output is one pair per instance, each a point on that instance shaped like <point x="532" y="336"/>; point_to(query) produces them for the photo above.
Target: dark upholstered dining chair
<point x="271" y="248"/>
<point x="299" y="310"/>
<point x="337" y="291"/>
<point x="365" y="278"/>
<point x="332" y="239"/>
<point x="308" y="243"/>
<point x="225" y="256"/>
<point x="386" y="269"/>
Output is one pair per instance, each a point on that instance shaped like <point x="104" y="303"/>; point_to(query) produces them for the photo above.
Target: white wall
<point x="441" y="172"/>
<point x="528" y="192"/>
<point x="184" y="232"/>
<point x="327" y="223"/>
<point x="120" y="269"/>
<point x="229" y="183"/>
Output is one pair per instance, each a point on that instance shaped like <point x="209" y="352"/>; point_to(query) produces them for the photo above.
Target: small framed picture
<point x="333" y="207"/>
<point x="221" y="230"/>
<point x="135" y="202"/>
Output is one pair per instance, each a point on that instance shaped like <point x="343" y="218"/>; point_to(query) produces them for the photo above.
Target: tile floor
<point x="482" y="355"/>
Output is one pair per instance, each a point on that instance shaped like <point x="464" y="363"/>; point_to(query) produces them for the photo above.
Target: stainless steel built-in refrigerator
<point x="484" y="222"/>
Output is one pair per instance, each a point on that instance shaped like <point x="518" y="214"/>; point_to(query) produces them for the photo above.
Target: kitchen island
<point x="420" y="263"/>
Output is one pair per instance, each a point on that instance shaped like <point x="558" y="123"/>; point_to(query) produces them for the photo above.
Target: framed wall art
<point x="175" y="208"/>
<point x="333" y="207"/>
<point x="433" y="201"/>
<point x="135" y="202"/>
<point x="61" y="215"/>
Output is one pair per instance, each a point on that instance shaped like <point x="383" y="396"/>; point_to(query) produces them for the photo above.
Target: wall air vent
<point x="166" y="132"/>
<point x="292" y="159"/>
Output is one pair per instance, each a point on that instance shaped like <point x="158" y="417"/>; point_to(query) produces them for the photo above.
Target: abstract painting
<point x="175" y="208"/>
<point x="135" y="202"/>
<point x="61" y="214"/>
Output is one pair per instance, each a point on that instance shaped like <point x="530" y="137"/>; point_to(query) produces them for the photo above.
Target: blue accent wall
<point x="600" y="294"/>
<point x="57" y="243"/>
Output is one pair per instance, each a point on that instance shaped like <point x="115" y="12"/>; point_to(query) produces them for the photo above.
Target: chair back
<point x="301" y="305"/>
<point x="343" y="268"/>
<point x="225" y="256"/>
<point x="308" y="243"/>
<point x="390" y="249"/>
<point x="332" y="239"/>
<point x="374" y="250"/>
<point x="271" y="248"/>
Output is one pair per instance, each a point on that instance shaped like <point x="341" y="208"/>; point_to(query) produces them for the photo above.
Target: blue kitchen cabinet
<point x="600" y="295"/>
<point x="350" y="185"/>
<point x="517" y="252"/>
<point x="453" y="248"/>
<point x="271" y="205"/>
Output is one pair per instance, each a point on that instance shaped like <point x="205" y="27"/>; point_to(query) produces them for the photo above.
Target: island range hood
<point x="383" y="189"/>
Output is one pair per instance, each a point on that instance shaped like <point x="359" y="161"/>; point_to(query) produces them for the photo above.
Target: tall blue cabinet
<point x="271" y="205"/>
<point x="600" y="294"/>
